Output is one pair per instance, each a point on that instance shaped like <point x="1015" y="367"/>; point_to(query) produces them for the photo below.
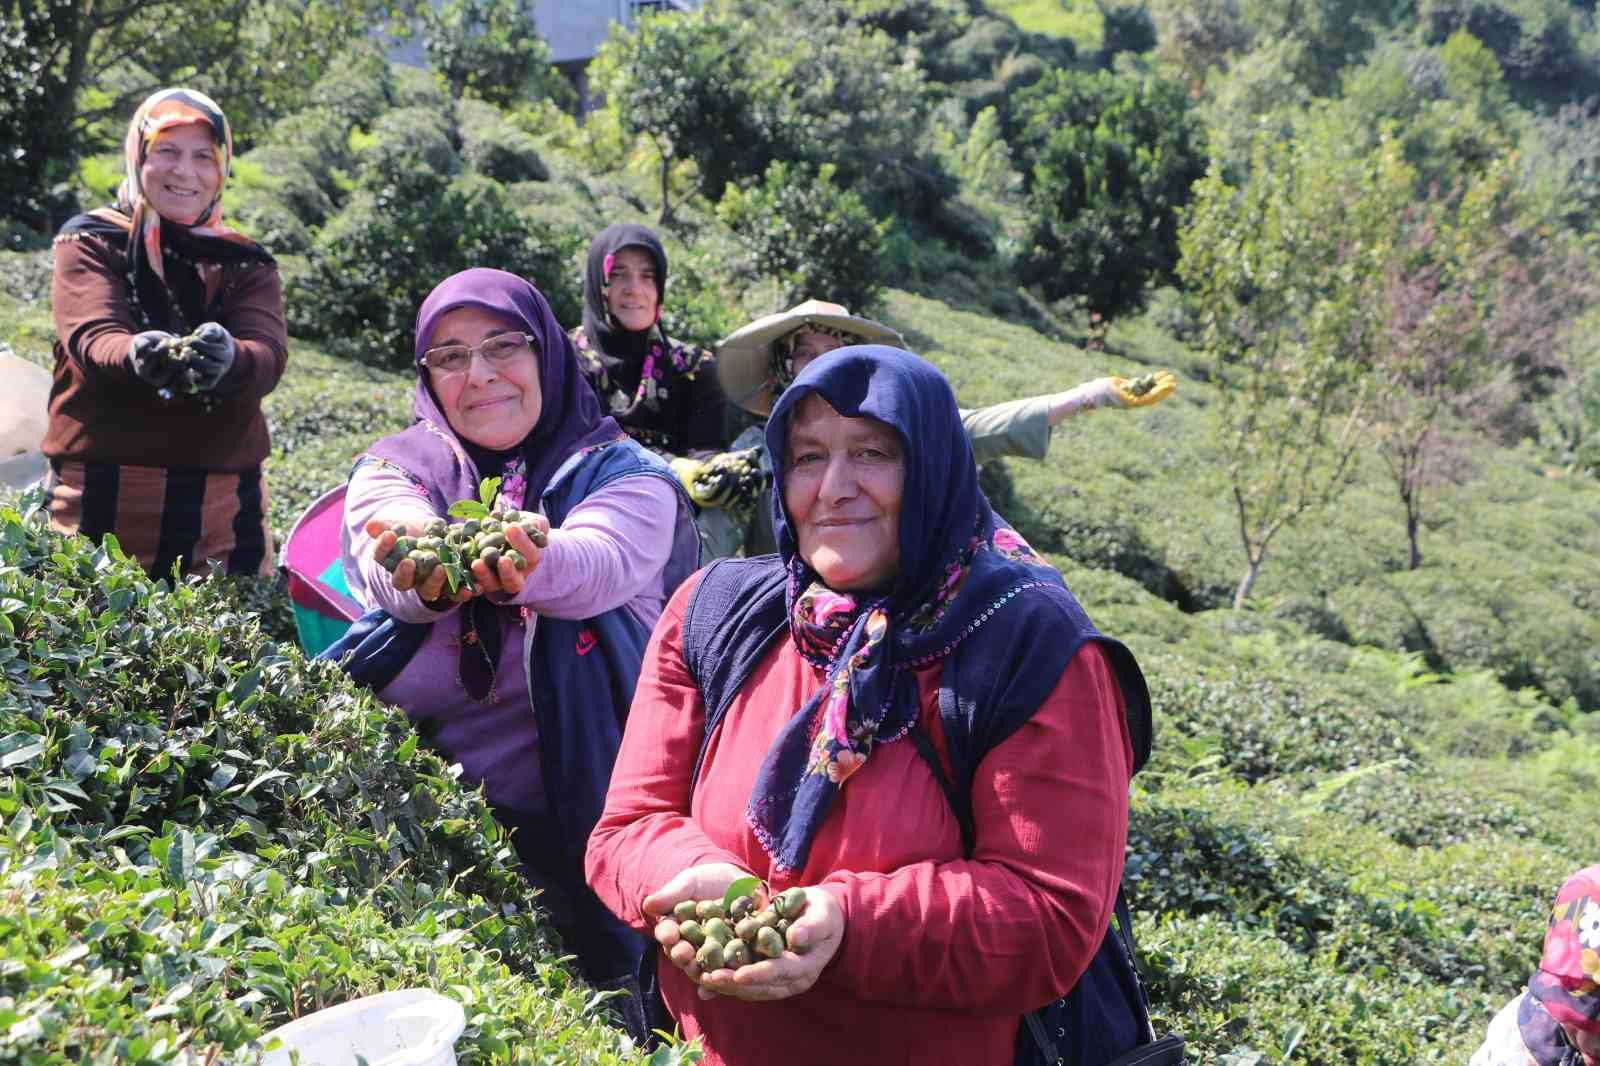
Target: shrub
<point x="815" y="238"/>
<point x="358" y="87"/>
<point x="495" y="148"/>
<point x="1264" y="728"/>
<point x="409" y="142"/>
<point x="374" y="263"/>
<point x="208" y="836"/>
<point x="490" y="49"/>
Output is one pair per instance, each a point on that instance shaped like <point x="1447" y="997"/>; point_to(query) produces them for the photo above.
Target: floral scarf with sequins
<point x="963" y="574"/>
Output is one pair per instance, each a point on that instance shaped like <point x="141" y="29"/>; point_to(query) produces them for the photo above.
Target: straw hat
<point x="744" y="357"/>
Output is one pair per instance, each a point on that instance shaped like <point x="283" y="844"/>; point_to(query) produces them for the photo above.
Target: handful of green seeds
<point x="456" y="546"/>
<point x="736" y="930"/>
<point x="1141" y="386"/>
<point x="180" y="352"/>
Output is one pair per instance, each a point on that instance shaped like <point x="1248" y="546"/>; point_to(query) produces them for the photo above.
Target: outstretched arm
<point x="1021" y="428"/>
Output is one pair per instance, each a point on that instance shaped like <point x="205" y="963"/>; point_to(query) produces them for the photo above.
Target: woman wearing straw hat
<point x="757" y="362"/>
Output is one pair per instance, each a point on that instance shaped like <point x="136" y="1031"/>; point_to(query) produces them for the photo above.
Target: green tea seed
<point x="791" y="903"/>
<point x="746" y="928"/>
<point x="517" y="559"/>
<point x="490" y="557"/>
<point x="741" y="906"/>
<point x="692" y="931"/>
<point x="709" y="956"/>
<point x="736" y="953"/>
<point x="769" y="943"/>
<point x="718" y="929"/>
<point x="684" y="910"/>
<point x="709" y="908"/>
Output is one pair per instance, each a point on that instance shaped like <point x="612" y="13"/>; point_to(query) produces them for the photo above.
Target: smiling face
<point x="842" y="484"/>
<point x="494" y="407"/>
<point x="181" y="173"/>
<point x="633" y="294"/>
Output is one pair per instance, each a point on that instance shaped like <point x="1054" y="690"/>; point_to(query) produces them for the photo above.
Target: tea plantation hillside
<point x="1365" y="786"/>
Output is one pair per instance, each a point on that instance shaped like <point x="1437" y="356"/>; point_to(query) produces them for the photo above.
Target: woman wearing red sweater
<point x="894" y="586"/>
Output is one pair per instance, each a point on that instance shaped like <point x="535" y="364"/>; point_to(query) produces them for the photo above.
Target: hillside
<point x="1339" y="846"/>
<point x="1368" y="779"/>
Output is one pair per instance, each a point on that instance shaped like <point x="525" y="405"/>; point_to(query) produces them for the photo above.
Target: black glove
<point x="214" y="350"/>
<point x="150" y="360"/>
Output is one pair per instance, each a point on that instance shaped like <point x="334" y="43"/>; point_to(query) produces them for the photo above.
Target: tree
<point x="1110" y="160"/>
<point x="490" y="49"/>
<point x="1281" y="269"/>
<point x="683" y="82"/>
<point x="800" y="228"/>
<point x="724" y="88"/>
<point x="74" y="72"/>
<point x="1471" y="293"/>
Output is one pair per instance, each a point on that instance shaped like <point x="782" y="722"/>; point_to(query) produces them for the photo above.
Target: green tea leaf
<point x="468" y="509"/>
<point x="744" y="886"/>
<point x="407" y="749"/>
<point x="487" y="488"/>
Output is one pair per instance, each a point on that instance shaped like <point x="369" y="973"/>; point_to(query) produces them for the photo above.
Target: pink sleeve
<point x="610" y="549"/>
<point x="645" y="836"/>
<point x="377" y="490"/>
<point x="1015" y="925"/>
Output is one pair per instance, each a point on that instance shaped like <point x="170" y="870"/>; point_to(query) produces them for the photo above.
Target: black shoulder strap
<point x="734" y="614"/>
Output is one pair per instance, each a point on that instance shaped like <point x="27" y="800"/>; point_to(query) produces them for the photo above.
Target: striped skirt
<point x="161" y="515"/>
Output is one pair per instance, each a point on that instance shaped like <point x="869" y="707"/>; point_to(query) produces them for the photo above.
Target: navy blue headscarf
<point x="965" y="580"/>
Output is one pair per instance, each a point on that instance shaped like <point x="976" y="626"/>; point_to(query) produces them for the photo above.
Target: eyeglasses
<point x="498" y="350"/>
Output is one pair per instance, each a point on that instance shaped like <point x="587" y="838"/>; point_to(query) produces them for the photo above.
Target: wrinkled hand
<point x="816" y="935"/>
<point x="148" y="358"/>
<point x="214" y="349"/>
<point x="707" y="881"/>
<point x="506" y="578"/>
<point x="1146" y="390"/>
<point x="405" y="575"/>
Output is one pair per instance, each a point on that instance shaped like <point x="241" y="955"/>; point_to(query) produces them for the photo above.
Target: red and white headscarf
<point x="162" y="111"/>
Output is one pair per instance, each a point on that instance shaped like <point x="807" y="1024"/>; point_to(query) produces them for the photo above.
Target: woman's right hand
<point x="430" y="590"/>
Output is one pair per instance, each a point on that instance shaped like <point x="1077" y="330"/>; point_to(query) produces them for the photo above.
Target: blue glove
<point x="150" y="357"/>
<point x="214" y="350"/>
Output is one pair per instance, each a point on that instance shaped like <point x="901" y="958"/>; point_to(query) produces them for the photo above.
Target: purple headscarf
<point x="569" y="419"/>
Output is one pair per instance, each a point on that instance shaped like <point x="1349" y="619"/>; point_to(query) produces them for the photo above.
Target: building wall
<point x="575" y="28"/>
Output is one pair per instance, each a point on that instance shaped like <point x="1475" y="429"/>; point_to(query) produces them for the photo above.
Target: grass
<point x="1077" y="20"/>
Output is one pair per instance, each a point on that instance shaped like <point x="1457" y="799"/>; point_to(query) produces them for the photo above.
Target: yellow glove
<point x="1146" y="390"/>
<point x="687" y="470"/>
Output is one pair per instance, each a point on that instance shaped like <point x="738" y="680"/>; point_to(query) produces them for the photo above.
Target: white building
<point x="575" y="28"/>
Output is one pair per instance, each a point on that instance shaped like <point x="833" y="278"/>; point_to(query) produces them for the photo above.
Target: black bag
<point x="1104" y="1020"/>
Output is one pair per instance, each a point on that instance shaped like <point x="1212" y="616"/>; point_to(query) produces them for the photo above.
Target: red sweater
<point x="941" y="953"/>
<point x="101" y="412"/>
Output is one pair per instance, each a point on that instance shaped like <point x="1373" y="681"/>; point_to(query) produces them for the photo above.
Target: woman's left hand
<point x="817" y="936"/>
<point x="505" y="577"/>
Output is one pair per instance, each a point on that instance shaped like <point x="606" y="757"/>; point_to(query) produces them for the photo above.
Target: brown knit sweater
<point x="100" y="412"/>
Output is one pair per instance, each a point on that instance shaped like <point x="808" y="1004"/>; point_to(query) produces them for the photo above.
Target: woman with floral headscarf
<point x="169" y="331"/>
<point x="662" y="391"/>
<point x="895" y="602"/>
<point x="1556" y="1021"/>
<point x="522" y="676"/>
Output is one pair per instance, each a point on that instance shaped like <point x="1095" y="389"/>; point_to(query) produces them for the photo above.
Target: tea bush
<point x="494" y="147"/>
<point x="205" y="836"/>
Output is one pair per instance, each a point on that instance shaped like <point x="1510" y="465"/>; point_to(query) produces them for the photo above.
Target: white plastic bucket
<point x="411" y="1027"/>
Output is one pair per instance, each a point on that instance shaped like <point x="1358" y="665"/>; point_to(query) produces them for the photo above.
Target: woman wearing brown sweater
<point x="169" y="331"/>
